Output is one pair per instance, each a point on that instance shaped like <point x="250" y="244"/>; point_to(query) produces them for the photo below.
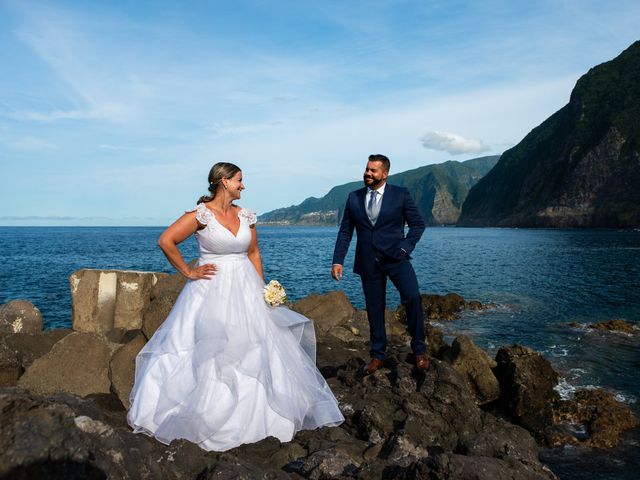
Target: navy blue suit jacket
<point x="385" y="240"/>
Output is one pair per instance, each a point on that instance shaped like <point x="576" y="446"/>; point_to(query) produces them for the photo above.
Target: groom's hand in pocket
<point x="336" y="271"/>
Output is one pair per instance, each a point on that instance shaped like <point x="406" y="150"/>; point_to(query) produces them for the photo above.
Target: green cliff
<point x="580" y="167"/>
<point x="438" y="190"/>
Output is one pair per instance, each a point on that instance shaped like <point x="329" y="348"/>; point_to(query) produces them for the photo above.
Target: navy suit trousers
<point x="403" y="277"/>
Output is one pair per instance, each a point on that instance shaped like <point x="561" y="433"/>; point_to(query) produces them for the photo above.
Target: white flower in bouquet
<point x="274" y="294"/>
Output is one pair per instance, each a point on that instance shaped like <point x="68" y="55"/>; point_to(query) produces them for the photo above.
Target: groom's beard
<point x="374" y="183"/>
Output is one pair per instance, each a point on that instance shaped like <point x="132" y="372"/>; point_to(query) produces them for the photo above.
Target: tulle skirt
<point x="225" y="369"/>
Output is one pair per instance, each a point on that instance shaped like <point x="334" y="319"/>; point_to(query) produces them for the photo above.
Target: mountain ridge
<point x="578" y="168"/>
<point x="438" y="190"/>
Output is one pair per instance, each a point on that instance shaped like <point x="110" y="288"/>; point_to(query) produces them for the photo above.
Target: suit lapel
<point x="361" y="205"/>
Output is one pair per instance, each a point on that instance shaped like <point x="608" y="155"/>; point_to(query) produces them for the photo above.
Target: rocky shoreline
<point x="64" y="394"/>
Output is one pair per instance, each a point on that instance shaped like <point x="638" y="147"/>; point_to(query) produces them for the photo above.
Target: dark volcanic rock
<point x="401" y="449"/>
<point x="19" y="350"/>
<point x="614" y="326"/>
<point x="403" y="413"/>
<point x="231" y="467"/>
<point x="20" y="316"/>
<point x="604" y="417"/>
<point x="326" y="311"/>
<point x="393" y="325"/>
<point x="270" y="453"/>
<point x="500" y="439"/>
<point x="474" y="305"/>
<point x="32" y="346"/>
<point x="10" y="367"/>
<point x="327" y="464"/>
<point x="79" y="364"/>
<point x="401" y="422"/>
<point x="435" y="340"/>
<point x="475" y="366"/>
<point x="396" y="419"/>
<point x="121" y="335"/>
<point x="441" y="307"/>
<point x="527" y="384"/>
<point x="67" y="437"/>
<point x="122" y="368"/>
<point x="460" y="467"/>
<point x="161" y="300"/>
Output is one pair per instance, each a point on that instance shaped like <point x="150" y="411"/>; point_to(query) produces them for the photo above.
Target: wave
<point x="567" y="388"/>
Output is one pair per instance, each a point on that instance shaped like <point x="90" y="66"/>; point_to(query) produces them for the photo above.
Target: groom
<point x="378" y="212"/>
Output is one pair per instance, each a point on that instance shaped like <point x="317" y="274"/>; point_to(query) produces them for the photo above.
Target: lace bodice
<point x="216" y="239"/>
<point x="204" y="215"/>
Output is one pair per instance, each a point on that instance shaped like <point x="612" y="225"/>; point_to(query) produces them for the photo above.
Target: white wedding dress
<point x="224" y="368"/>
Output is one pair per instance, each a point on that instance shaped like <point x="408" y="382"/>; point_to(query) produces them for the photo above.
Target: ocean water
<point x="536" y="282"/>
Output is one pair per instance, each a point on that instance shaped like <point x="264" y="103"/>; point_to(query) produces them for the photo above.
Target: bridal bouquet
<point x="274" y="294"/>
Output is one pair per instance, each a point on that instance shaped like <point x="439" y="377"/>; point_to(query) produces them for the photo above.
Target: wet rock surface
<point x="475" y="366"/>
<point x="614" y="326"/>
<point x="596" y="412"/>
<point x="527" y="383"/>
<point x="442" y="307"/>
<point x="592" y="418"/>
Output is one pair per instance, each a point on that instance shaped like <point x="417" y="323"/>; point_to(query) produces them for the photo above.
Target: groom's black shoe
<point x="372" y="366"/>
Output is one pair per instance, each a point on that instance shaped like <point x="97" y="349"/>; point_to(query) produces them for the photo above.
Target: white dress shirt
<point x="378" y="195"/>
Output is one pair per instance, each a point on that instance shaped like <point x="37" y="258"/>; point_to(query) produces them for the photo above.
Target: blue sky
<point x="112" y="113"/>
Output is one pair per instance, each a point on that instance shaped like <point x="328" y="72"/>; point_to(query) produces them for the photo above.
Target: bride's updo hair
<point x="216" y="174"/>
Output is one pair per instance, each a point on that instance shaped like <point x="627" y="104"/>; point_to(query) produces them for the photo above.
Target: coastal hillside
<point x="438" y="190"/>
<point x="580" y="167"/>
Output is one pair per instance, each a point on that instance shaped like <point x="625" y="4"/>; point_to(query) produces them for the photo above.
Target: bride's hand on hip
<point x="202" y="272"/>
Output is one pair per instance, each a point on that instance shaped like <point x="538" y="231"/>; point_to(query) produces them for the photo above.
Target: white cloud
<point x="124" y="148"/>
<point x="28" y="143"/>
<point x="229" y="129"/>
<point x="109" y="111"/>
<point x="53" y="115"/>
<point x="452" y="143"/>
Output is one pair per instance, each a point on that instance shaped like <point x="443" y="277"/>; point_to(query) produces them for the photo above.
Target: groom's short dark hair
<point x="386" y="163"/>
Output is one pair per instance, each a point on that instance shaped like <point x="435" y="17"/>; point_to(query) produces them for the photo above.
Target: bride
<point x="225" y="368"/>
